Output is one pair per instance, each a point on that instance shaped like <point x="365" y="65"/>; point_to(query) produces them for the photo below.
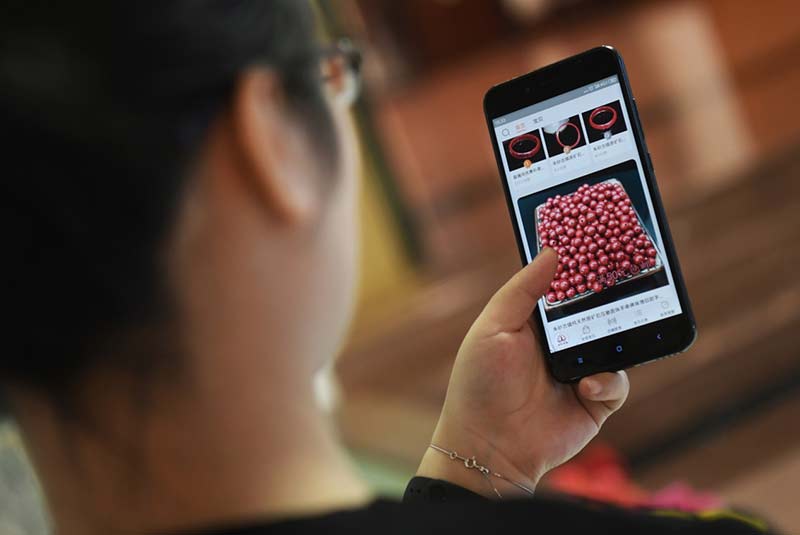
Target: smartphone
<point x="578" y="178"/>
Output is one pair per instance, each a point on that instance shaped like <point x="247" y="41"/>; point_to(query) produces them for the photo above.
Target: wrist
<point x="501" y="472"/>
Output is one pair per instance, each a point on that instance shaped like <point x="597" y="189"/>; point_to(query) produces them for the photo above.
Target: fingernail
<point x="594" y="386"/>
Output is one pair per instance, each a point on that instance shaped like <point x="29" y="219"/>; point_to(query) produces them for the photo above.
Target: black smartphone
<point x="578" y="178"/>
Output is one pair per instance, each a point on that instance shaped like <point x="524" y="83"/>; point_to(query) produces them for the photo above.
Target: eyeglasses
<point x="340" y="67"/>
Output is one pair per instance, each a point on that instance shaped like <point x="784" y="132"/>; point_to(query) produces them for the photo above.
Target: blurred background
<point x="716" y="83"/>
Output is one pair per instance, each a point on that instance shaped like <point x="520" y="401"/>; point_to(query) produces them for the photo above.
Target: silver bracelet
<point x="471" y="463"/>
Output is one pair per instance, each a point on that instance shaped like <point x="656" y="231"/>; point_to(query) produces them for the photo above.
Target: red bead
<point x="581" y="288"/>
<point x="597" y="287"/>
<point x="602" y="270"/>
<point x="573" y="264"/>
<point x="630" y="249"/>
<point x="560" y="295"/>
<point x="584" y="269"/>
<point x="551" y="297"/>
<point x="570" y="293"/>
<point x="651" y="252"/>
<point x="563" y="286"/>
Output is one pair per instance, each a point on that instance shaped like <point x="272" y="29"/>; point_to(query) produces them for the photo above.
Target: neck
<point x="200" y="459"/>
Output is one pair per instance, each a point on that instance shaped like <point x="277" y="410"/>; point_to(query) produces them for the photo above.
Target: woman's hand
<point x="502" y="405"/>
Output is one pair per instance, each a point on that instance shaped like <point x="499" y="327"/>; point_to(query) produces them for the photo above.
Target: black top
<point x="438" y="508"/>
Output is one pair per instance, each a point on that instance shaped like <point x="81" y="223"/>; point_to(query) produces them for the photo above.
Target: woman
<point x="181" y="224"/>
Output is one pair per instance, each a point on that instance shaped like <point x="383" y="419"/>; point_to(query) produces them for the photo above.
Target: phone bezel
<point x="640" y="344"/>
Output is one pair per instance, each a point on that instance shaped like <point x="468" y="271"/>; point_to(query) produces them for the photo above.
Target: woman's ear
<point x="273" y="147"/>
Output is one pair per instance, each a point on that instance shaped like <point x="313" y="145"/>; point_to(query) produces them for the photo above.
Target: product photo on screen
<point x="524" y="150"/>
<point x="604" y="121"/>
<point x="563" y="136"/>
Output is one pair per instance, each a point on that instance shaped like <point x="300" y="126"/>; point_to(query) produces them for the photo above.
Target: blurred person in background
<point x="180" y="232"/>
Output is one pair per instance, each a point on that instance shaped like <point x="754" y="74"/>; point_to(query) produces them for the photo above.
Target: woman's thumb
<point x="512" y="305"/>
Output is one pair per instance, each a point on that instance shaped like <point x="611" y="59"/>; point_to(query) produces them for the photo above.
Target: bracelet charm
<point x="472" y="463"/>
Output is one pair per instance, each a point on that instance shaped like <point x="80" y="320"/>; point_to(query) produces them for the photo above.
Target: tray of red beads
<point x="600" y="240"/>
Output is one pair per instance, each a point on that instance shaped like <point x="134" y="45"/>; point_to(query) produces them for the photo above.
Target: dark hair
<point x="102" y="107"/>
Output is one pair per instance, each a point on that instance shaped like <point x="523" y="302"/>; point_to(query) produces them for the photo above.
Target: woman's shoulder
<point x="484" y="517"/>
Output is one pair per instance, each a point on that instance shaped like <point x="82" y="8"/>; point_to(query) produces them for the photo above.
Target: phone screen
<point x="578" y="185"/>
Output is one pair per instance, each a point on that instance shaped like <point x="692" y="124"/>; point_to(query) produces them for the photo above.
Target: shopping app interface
<point x="577" y="185"/>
